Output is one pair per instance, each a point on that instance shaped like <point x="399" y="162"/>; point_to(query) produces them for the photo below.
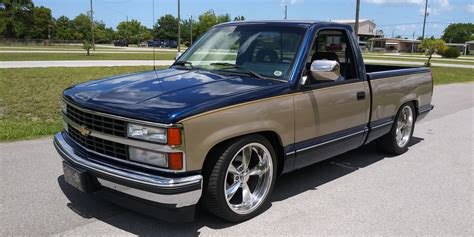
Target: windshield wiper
<point x="183" y="63"/>
<point x="248" y="71"/>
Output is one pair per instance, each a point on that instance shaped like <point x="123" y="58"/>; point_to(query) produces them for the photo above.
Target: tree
<point x="209" y="19"/>
<point x="82" y="27"/>
<point x="102" y="34"/>
<point x="458" y="33"/>
<point x="431" y="46"/>
<point x="63" y="29"/>
<point x="166" y="28"/>
<point x="87" y="46"/>
<point x="133" y="31"/>
<point x="41" y="23"/>
<point x="21" y="19"/>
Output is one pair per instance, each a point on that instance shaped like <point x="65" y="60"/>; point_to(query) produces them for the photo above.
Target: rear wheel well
<point x="415" y="106"/>
<point x="212" y="155"/>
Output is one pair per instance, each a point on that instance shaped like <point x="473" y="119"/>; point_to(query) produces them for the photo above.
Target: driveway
<point x="426" y="191"/>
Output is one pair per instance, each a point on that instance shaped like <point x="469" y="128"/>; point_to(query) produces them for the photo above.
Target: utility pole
<point x="126" y="29"/>
<point x="393" y="33"/>
<point x="424" y="20"/>
<point x="92" y="27"/>
<point x="413" y="43"/>
<point x="179" y="27"/>
<point x="356" y="24"/>
<point x="286" y="12"/>
<point x="191" y="30"/>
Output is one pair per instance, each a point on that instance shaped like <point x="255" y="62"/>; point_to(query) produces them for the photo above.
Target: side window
<point x="334" y="45"/>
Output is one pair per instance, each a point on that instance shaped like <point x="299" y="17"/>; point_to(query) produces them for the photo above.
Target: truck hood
<point x="170" y="95"/>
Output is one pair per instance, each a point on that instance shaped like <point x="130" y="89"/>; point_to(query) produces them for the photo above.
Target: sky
<point x="394" y="17"/>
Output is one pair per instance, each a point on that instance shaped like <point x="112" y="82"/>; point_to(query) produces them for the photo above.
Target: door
<point x="331" y="116"/>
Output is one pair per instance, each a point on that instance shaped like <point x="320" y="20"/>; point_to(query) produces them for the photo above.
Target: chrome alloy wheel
<point x="404" y="126"/>
<point x="248" y="178"/>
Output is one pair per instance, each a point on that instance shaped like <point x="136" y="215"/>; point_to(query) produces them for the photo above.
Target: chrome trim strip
<point x="120" y="117"/>
<point x="122" y="173"/>
<point x="327" y="142"/>
<point x="180" y="200"/>
<point x="382" y="125"/>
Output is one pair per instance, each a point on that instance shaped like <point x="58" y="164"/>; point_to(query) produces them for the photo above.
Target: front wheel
<point x="242" y="179"/>
<point x="396" y="142"/>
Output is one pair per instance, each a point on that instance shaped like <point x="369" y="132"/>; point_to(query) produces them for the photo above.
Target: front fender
<point x="204" y="131"/>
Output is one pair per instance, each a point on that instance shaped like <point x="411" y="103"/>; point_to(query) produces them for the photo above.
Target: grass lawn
<point x="83" y="56"/>
<point x="29" y="97"/>
<point x="433" y="60"/>
<point x="446" y="75"/>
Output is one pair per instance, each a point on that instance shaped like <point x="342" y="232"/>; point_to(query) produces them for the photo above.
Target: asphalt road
<point x="426" y="191"/>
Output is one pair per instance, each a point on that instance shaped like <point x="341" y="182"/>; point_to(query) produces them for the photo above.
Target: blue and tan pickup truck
<point x="246" y="103"/>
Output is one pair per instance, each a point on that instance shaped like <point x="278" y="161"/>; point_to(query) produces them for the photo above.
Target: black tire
<point x="214" y="199"/>
<point x="388" y="143"/>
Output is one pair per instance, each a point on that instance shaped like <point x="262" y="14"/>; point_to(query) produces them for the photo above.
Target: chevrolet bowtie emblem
<point x="84" y="131"/>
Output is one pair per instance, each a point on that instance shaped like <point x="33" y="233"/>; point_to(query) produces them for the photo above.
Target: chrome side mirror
<point x="325" y="70"/>
<point x="303" y="81"/>
<point x="178" y="55"/>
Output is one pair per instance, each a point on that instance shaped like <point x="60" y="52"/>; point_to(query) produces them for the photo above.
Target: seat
<point x="263" y="54"/>
<point x="325" y="55"/>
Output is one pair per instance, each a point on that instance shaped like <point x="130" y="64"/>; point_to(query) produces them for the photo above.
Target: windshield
<point x="263" y="50"/>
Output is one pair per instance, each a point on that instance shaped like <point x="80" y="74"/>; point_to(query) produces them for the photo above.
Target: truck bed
<point x="383" y="71"/>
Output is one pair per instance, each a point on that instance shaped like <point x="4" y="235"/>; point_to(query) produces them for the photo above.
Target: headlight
<point x="63" y="107"/>
<point x="148" y="157"/>
<point x="173" y="161"/>
<point x="147" y="133"/>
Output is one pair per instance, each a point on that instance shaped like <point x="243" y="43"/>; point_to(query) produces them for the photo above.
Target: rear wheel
<point x="242" y="179"/>
<point x="396" y="142"/>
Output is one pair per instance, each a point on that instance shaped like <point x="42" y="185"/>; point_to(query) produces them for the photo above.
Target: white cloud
<point x="444" y="3"/>
<point x="395" y="2"/>
<point x="290" y="2"/>
<point x="434" y="6"/>
<point x="470" y="8"/>
<point x="406" y="27"/>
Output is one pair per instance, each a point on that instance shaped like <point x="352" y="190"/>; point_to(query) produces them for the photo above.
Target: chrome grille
<point x="99" y="145"/>
<point x="96" y="122"/>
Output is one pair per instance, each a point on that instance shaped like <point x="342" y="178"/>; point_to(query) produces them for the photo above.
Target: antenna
<point x="153" y="33"/>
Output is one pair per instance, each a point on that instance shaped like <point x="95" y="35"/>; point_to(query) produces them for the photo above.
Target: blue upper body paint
<point x="170" y="95"/>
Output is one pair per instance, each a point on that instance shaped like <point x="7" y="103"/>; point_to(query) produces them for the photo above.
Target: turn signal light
<point x="175" y="161"/>
<point x="174" y="136"/>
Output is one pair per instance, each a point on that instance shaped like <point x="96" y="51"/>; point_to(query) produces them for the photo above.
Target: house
<point x="395" y="45"/>
<point x="461" y="47"/>
<point x="367" y="30"/>
<point x="469" y="47"/>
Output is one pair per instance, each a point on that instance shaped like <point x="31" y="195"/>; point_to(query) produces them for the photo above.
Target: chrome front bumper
<point x="177" y="191"/>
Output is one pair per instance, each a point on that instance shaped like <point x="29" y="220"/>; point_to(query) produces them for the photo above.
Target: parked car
<point x="219" y="125"/>
<point x="143" y="44"/>
<point x="121" y="43"/>
<point x="162" y="43"/>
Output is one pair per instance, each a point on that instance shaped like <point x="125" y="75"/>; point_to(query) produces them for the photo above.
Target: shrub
<point x="451" y="53"/>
